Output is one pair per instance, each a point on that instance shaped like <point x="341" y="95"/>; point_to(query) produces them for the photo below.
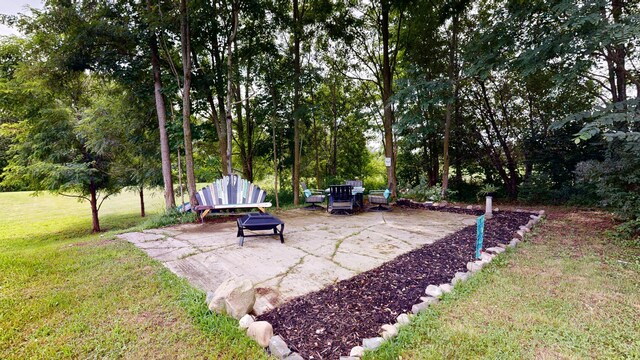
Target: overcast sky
<point x="12" y="7"/>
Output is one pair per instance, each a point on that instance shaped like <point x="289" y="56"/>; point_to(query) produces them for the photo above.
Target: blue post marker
<point x="480" y="237"/>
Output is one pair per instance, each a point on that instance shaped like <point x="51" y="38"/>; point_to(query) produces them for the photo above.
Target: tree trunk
<point x="449" y="110"/>
<point x="93" y="200"/>
<point x="387" y="91"/>
<point x="232" y="39"/>
<point x="186" y="102"/>
<point x="297" y="33"/>
<point x="220" y="118"/>
<point x="334" y="133"/>
<point x="141" y="193"/>
<point x="275" y="150"/>
<point x="165" y="154"/>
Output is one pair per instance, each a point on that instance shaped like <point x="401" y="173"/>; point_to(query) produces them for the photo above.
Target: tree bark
<point x="447" y="126"/>
<point x="275" y="150"/>
<point x="141" y="193"/>
<point x="161" y="112"/>
<point x="220" y="118"/>
<point x="297" y="34"/>
<point x="93" y="200"/>
<point x="186" y="101"/>
<point x="387" y="91"/>
<point x="234" y="30"/>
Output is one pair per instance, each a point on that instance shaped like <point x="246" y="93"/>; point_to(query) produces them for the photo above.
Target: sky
<point x="12" y="7"/>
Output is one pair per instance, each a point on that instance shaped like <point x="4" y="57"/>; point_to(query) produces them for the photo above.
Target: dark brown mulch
<point x="328" y="323"/>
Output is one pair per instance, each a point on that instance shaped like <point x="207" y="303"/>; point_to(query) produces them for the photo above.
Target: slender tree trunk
<point x="93" y="200"/>
<point x="449" y="110"/>
<point x="275" y="148"/>
<point x="141" y="193"/>
<point x="186" y="101"/>
<point x="297" y="33"/>
<point x="334" y="133"/>
<point x="232" y="39"/>
<point x="165" y="153"/>
<point x="220" y="118"/>
<point x="315" y="144"/>
<point x="387" y="91"/>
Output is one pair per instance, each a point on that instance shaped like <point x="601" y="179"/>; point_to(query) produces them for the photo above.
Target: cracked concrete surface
<point x="319" y="248"/>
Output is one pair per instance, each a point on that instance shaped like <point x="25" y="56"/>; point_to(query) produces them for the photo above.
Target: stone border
<point x="262" y="331"/>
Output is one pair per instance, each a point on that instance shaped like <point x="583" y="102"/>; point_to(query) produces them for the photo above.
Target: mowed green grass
<point x="68" y="293"/>
<point x="568" y="293"/>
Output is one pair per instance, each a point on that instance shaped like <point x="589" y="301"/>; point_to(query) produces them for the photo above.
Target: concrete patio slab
<point x="319" y="249"/>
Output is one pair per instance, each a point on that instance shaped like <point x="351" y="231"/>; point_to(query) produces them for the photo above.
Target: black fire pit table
<point x="259" y="221"/>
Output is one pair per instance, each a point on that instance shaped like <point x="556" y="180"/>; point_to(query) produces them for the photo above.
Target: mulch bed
<point x="328" y="323"/>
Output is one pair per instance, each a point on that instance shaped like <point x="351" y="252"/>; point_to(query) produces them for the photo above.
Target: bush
<point x="171" y="217"/>
<point x="423" y="192"/>
<point x="536" y="189"/>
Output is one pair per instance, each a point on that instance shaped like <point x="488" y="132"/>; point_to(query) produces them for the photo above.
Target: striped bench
<point x="230" y="192"/>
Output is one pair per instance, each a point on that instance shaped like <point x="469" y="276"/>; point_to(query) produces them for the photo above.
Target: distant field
<point x="67" y="293"/>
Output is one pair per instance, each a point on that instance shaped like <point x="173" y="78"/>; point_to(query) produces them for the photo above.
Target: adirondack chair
<point x="230" y="192"/>
<point x="354" y="183"/>
<point x="340" y="199"/>
<point x="313" y="197"/>
<point x="380" y="198"/>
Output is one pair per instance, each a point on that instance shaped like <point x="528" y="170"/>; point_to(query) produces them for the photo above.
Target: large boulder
<point x="234" y="297"/>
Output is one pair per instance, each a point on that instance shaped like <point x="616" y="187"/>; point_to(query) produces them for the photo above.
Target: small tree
<point x="55" y="147"/>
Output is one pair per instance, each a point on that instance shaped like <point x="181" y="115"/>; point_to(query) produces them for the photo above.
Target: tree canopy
<point x="429" y="99"/>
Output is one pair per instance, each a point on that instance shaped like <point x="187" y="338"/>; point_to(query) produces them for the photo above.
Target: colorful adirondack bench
<point x="230" y="192"/>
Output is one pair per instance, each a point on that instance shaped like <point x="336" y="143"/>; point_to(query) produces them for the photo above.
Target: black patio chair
<point x="340" y="199"/>
<point x="354" y="183"/>
<point x="313" y="197"/>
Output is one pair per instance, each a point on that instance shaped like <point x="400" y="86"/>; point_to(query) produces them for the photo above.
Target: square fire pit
<point x="257" y="222"/>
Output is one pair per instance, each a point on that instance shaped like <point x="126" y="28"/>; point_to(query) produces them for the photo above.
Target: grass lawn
<point x="67" y="293"/>
<point x="569" y="293"/>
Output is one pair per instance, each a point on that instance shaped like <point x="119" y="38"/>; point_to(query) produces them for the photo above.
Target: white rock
<point x="433" y="290"/>
<point x="245" y="321"/>
<point x="541" y="212"/>
<point x="502" y="246"/>
<point x="261" y="332"/>
<point x="486" y="257"/>
<point x="495" y="250"/>
<point x="446" y="288"/>
<point x="496" y="209"/>
<point x="469" y="207"/>
<point x="389" y="331"/>
<point x="436" y="204"/>
<point x="512" y="243"/>
<point x="278" y="347"/>
<point x="520" y="233"/>
<point x="460" y="276"/>
<point x="349" y="358"/>
<point x="473" y="266"/>
<point x="372" y="343"/>
<point x="234" y="297"/>
<point x="424" y="305"/>
<point x="524" y="229"/>
<point x="357" y="351"/>
<point x="403" y="319"/>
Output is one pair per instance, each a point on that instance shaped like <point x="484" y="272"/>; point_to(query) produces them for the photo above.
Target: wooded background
<point x="535" y="100"/>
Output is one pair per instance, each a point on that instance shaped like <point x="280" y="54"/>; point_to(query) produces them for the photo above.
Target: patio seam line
<point x="326" y="258"/>
<point x="288" y="271"/>
<point x="163" y="254"/>
<point x="339" y="241"/>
